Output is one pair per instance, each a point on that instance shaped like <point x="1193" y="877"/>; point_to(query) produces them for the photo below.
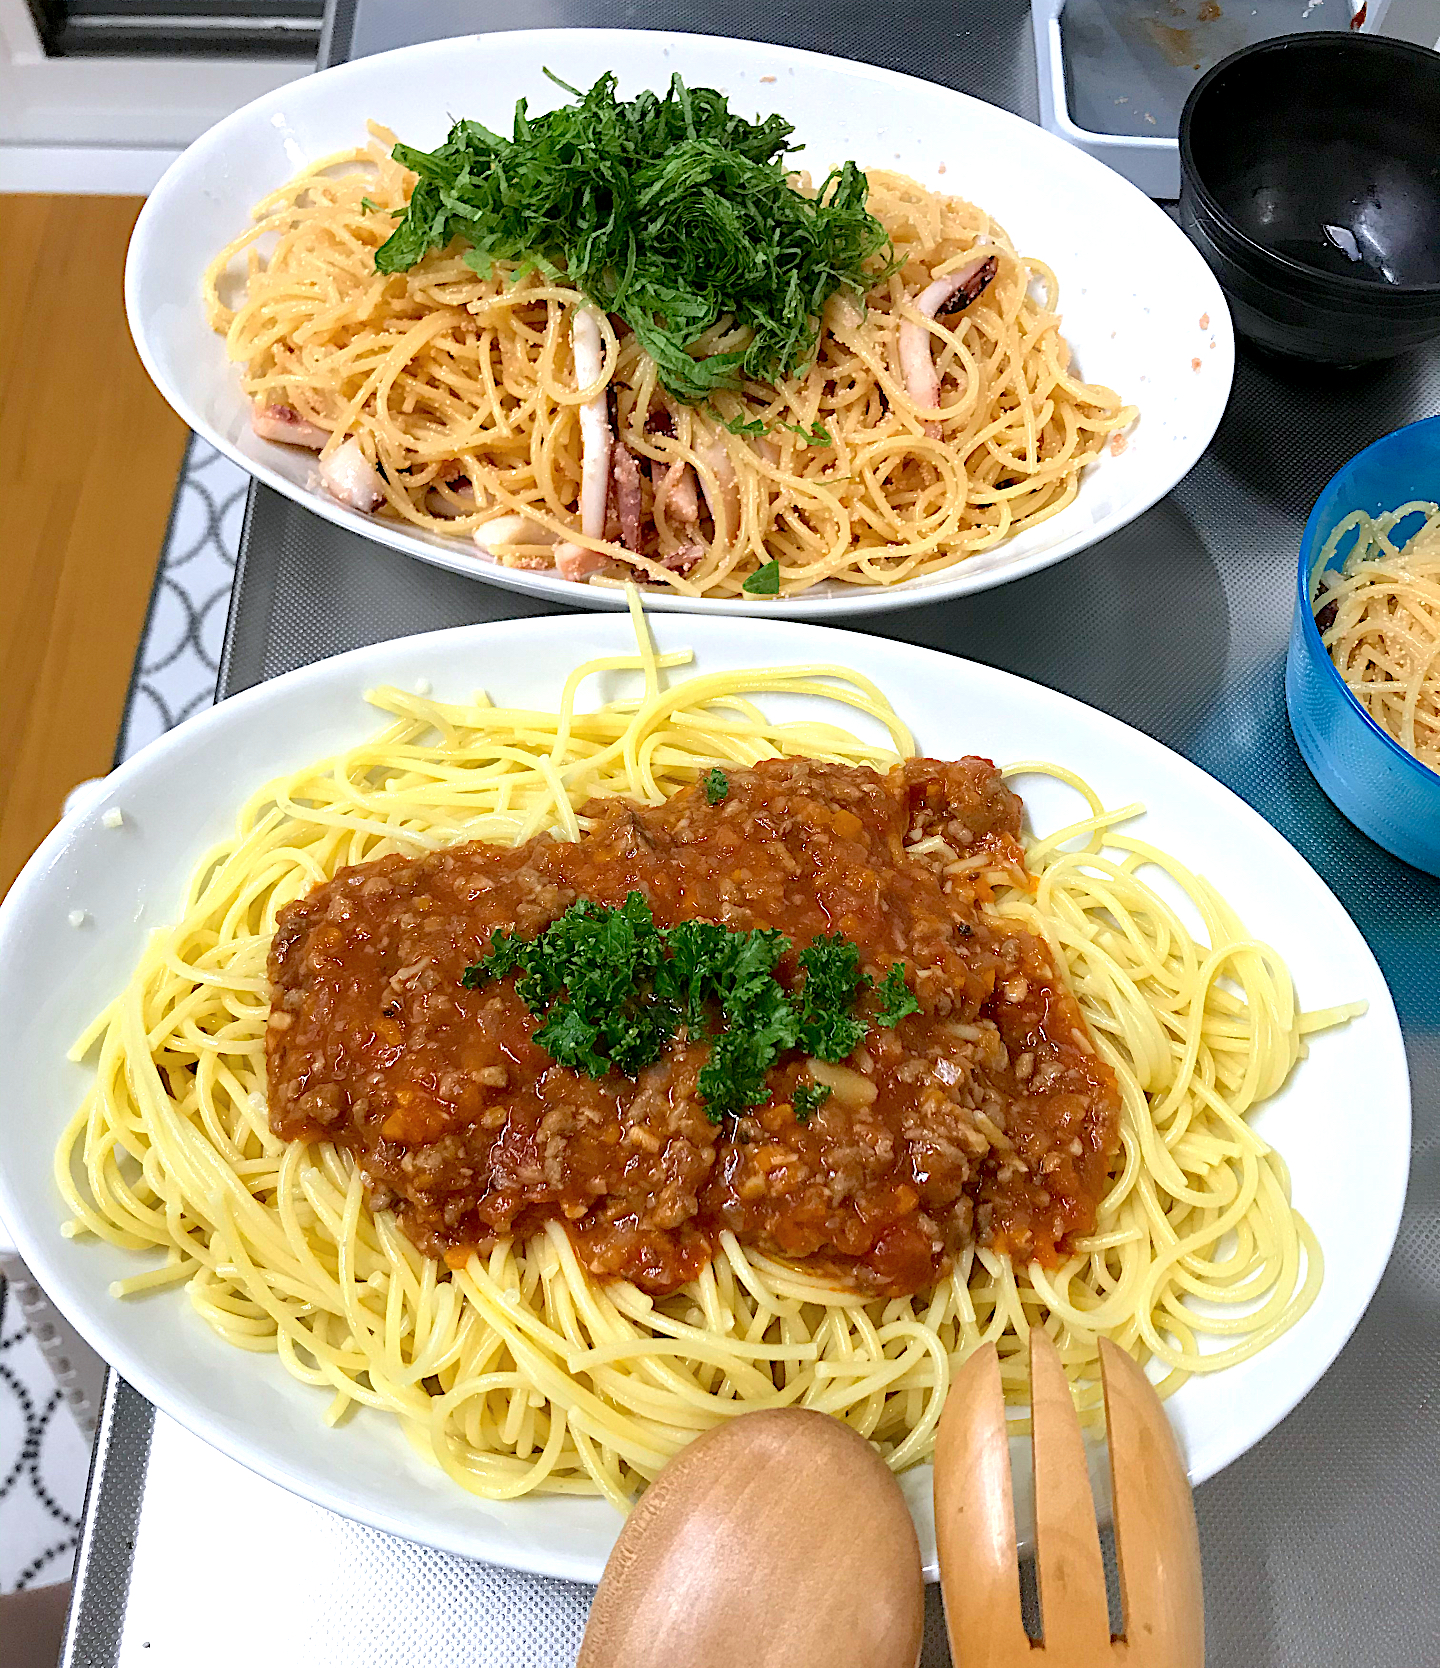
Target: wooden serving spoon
<point x="776" y="1540"/>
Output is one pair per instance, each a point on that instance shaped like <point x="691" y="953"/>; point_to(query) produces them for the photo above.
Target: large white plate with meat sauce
<point x="181" y="794"/>
<point x="1141" y="310"/>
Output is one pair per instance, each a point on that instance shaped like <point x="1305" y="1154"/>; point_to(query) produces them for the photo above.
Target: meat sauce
<point x="986" y="1116"/>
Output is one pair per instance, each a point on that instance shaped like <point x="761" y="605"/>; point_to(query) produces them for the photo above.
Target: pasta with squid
<point x="939" y="418"/>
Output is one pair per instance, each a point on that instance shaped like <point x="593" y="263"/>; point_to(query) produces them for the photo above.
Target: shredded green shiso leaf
<point x="673" y="213"/>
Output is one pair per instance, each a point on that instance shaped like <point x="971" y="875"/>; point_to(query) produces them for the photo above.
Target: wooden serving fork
<point x="1155" y="1533"/>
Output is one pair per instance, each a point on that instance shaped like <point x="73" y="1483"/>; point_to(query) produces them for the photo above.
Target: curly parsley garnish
<point x="673" y="212"/>
<point x="896" y="997"/>
<point x="614" y="989"/>
<point x="807" y="1099"/>
<point x="828" y="1028"/>
<point x="604" y="962"/>
<point x="717" y="784"/>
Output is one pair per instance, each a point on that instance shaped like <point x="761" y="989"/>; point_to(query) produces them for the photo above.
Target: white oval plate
<point x="181" y="794"/>
<point x="1133" y="289"/>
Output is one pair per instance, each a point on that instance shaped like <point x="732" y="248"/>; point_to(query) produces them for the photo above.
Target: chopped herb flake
<point x="807" y="1099"/>
<point x="717" y="784"/>
<point x="752" y="428"/>
<point x="765" y="581"/>
<point x="816" y="435"/>
<point x="833" y="980"/>
<point x="896" y="997"/>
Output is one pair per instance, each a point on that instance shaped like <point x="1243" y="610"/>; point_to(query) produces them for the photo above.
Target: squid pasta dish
<point x="630" y="343"/>
<point x="562" y="1083"/>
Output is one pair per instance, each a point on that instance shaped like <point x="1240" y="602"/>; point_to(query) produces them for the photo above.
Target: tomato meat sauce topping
<point x="984" y="1117"/>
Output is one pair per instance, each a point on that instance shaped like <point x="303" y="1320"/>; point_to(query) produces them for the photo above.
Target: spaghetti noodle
<point x="519" y="1370"/>
<point x="1379" y="617"/>
<point x="920" y="435"/>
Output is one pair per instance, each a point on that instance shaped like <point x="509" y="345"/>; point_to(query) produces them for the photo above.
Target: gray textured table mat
<point x="1321" y="1545"/>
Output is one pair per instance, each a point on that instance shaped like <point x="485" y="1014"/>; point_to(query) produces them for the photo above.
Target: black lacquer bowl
<point x="1310" y="182"/>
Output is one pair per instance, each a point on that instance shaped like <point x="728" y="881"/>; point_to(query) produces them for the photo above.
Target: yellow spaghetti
<point x="520" y="1371"/>
<point x="465" y="403"/>
<point x="1379" y="616"/>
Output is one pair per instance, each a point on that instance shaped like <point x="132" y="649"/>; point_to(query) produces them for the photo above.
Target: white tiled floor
<point x="44" y="1457"/>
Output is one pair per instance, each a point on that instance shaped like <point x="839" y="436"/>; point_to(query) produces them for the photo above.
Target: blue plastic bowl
<point x="1370" y="778"/>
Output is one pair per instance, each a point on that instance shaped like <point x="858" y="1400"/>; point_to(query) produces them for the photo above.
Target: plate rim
<point x="852" y="600"/>
<point x="331" y="1492"/>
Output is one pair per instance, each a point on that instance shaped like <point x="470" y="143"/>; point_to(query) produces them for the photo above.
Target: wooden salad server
<point x="1156" y="1538"/>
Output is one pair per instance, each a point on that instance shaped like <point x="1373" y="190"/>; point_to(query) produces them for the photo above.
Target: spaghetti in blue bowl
<point x="1382" y="786"/>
